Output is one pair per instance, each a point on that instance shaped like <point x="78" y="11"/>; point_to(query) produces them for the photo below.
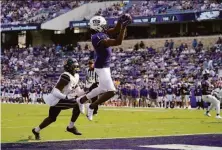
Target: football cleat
<point x="73" y="130"/>
<point x="81" y="106"/>
<point x="218" y="117"/>
<point x="37" y="135"/>
<point x="207" y="114"/>
<point x="89" y="112"/>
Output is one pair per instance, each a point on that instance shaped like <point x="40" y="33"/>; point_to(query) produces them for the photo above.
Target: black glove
<point x="124" y="18"/>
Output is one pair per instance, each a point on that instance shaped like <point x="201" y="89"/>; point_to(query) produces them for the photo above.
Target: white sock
<point x="71" y="124"/>
<point x="37" y="129"/>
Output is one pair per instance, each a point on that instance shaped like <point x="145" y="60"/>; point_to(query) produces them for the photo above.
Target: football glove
<point x="124" y="18"/>
<point x="126" y="23"/>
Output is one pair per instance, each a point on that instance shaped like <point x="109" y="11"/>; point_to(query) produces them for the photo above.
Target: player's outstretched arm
<point x="122" y="20"/>
<point x="115" y="30"/>
<point x="117" y="41"/>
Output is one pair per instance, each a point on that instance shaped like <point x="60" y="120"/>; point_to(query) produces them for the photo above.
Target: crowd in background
<point x="38" y="68"/>
<point x="23" y="12"/>
<point x="156" y="7"/>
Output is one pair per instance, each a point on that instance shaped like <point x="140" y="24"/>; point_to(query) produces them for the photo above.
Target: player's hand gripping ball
<point x="125" y="19"/>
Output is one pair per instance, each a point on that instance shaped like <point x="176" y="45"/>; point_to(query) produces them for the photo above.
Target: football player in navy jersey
<point x="144" y="96"/>
<point x="161" y="94"/>
<point x="208" y="97"/>
<point x="177" y="93"/>
<point x="123" y="95"/>
<point x="135" y="96"/>
<point x="169" y="92"/>
<point x="198" y="95"/>
<point x="102" y="45"/>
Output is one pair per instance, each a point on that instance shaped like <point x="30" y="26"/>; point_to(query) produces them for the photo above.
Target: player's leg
<point x="210" y="107"/>
<point x="53" y="113"/>
<point x="75" y="114"/>
<point x="93" y="86"/>
<point x="106" y="86"/>
<point x="216" y="103"/>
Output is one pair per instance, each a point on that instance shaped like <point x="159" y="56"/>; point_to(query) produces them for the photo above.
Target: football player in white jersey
<point x="218" y="93"/>
<point x="62" y="97"/>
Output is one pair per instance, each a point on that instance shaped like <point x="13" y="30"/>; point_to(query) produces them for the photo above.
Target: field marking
<point x="182" y="147"/>
<point x="129" y="137"/>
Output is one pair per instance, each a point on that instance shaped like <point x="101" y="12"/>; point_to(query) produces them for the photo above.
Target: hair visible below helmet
<point x="98" y="24"/>
<point x="71" y="66"/>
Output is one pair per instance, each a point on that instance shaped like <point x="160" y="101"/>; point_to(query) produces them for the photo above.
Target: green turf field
<point x="18" y="120"/>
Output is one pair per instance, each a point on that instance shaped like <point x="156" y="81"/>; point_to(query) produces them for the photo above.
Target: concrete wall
<point x="159" y="42"/>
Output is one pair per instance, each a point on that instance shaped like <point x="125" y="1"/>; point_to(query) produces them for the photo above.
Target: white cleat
<point x="89" y="112"/>
<point x="218" y="117"/>
<point x="81" y="106"/>
<point x="207" y="114"/>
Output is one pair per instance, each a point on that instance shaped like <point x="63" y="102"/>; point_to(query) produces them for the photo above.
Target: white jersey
<point x="218" y="93"/>
<point x="51" y="100"/>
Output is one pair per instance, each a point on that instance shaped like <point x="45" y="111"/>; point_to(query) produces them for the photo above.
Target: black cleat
<point x="37" y="136"/>
<point x="73" y="130"/>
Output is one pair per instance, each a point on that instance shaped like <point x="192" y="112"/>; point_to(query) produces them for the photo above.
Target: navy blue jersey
<point x="198" y="91"/>
<point x="38" y="90"/>
<point x="128" y="91"/>
<point x="169" y="90"/>
<point x="177" y="91"/>
<point x="161" y="92"/>
<point x="144" y="92"/>
<point x="124" y="91"/>
<point x="153" y="94"/>
<point x="135" y="93"/>
<point x="17" y="91"/>
<point x="103" y="54"/>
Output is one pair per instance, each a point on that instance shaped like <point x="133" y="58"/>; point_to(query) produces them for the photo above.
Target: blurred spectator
<point x="23" y="12"/>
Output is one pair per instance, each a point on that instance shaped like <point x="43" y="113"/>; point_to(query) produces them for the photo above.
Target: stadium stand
<point x="153" y="7"/>
<point x="21" y="12"/>
<point x="171" y="62"/>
